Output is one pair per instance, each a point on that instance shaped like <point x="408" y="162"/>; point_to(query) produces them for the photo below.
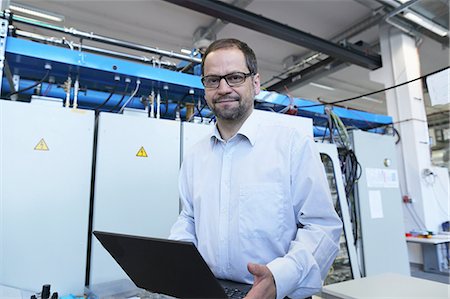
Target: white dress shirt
<point x="260" y="197"/>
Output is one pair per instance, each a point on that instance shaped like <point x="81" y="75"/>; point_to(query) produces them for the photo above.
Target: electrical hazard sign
<point x="41" y="146"/>
<point x="142" y="153"/>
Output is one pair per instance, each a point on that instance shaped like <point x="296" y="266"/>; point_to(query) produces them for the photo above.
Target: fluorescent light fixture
<point x="430" y="25"/>
<point x="36" y="12"/>
<point x="186" y="51"/>
<point x="423" y="21"/>
<point x="372" y="100"/>
<point x="321" y="86"/>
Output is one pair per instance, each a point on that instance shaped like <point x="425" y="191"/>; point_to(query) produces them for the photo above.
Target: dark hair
<point x="249" y="55"/>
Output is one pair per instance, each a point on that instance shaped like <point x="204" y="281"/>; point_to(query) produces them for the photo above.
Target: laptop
<point x="173" y="268"/>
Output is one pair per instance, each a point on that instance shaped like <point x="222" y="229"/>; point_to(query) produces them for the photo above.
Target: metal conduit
<point x="355" y="29"/>
<point x="104" y="39"/>
<point x="72" y="45"/>
<point x="395" y="12"/>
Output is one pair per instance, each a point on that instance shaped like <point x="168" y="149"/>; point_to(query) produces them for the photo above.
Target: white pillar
<point x="405" y="104"/>
<point x="4" y="4"/>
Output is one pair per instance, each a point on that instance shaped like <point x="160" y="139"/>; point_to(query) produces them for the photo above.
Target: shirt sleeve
<point x="300" y="273"/>
<point x="184" y="227"/>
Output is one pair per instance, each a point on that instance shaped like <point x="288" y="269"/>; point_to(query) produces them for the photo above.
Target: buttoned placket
<point x="224" y="212"/>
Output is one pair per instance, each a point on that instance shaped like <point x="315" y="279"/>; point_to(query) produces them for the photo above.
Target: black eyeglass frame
<point x="246" y="75"/>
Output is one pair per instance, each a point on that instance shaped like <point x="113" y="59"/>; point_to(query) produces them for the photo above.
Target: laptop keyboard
<point x="234" y="293"/>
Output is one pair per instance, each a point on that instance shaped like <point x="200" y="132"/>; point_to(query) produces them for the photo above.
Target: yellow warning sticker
<point x="142" y="153"/>
<point x="41" y="146"/>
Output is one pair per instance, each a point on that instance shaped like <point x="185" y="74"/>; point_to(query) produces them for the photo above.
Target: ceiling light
<point x="36" y="12"/>
<point x="422" y="21"/>
<point x="321" y="86"/>
<point x="372" y="100"/>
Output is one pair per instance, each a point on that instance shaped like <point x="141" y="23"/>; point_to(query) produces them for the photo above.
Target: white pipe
<point x="76" y="88"/>
<point x="158" y="105"/>
<point x="152" y="104"/>
<point x="68" y="86"/>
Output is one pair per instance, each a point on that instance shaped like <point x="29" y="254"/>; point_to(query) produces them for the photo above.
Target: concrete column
<point x="405" y="104"/>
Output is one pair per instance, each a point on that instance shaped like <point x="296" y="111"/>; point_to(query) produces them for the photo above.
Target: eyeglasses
<point x="233" y="79"/>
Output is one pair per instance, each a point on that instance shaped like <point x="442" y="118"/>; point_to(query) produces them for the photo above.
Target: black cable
<point x="396" y="132"/>
<point x="324" y="134"/>
<point x="121" y="99"/>
<point x="341" y="139"/>
<point x="351" y="171"/>
<point x="166" y="104"/>
<point x="200" y="111"/>
<point x="350" y="167"/>
<point x="29" y="87"/>
<point x="374" y="92"/>
<point x="108" y="98"/>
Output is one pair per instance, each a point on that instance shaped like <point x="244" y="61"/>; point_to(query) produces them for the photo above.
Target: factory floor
<point x="416" y="271"/>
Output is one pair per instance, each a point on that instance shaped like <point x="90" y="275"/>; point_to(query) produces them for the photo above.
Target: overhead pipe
<point x="72" y="45"/>
<point x="103" y="39"/>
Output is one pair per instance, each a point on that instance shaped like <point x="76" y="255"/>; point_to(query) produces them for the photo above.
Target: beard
<point x="232" y="113"/>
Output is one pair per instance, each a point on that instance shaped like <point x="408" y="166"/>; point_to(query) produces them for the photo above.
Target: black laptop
<point x="173" y="268"/>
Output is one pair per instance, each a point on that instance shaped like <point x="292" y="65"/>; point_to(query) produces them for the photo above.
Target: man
<point x="255" y="199"/>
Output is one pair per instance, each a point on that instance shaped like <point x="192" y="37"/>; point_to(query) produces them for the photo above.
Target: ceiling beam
<point x="217" y="25"/>
<point x="232" y="14"/>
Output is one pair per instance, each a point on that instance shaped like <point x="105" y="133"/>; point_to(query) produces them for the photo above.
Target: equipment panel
<point x="136" y="183"/>
<point x="380" y="205"/>
<point x="46" y="160"/>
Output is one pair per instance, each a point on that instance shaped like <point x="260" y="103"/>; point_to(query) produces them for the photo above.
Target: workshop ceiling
<point x="167" y="26"/>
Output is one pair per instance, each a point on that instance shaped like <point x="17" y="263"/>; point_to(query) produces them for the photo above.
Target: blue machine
<point x="31" y="60"/>
<point x="105" y="81"/>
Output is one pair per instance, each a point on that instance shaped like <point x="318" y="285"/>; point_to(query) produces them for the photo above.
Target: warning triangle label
<point x="41" y="146"/>
<point x="142" y="153"/>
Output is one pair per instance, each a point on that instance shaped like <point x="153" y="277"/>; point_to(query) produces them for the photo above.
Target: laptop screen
<point x="174" y="268"/>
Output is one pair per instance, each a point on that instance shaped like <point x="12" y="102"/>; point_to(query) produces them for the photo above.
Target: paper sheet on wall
<point x="439" y="87"/>
<point x="375" y="203"/>
<point x="381" y="178"/>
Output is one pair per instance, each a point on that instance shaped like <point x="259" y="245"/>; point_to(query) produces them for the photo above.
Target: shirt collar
<point x="249" y="130"/>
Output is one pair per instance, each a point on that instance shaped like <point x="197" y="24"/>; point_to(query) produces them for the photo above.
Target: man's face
<point x="230" y="103"/>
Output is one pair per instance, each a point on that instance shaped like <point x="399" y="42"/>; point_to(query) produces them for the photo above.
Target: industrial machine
<point x="90" y="139"/>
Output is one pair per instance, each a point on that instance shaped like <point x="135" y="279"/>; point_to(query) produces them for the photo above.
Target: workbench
<point x="430" y="252"/>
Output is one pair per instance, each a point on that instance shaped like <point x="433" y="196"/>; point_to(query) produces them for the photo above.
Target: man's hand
<point x="263" y="285"/>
